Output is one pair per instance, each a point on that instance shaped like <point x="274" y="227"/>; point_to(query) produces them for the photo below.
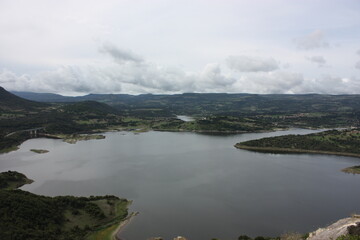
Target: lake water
<point x="195" y="185"/>
<point x="185" y="118"/>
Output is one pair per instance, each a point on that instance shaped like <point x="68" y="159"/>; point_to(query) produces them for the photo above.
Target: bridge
<point x="32" y="131"/>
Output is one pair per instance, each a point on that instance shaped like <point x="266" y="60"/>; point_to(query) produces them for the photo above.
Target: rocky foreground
<point x="345" y="226"/>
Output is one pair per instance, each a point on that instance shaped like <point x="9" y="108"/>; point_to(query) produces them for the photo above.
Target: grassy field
<point x="118" y="210"/>
<point x="9" y="149"/>
<point x="103" y="234"/>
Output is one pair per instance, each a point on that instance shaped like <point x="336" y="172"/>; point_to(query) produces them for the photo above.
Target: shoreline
<point x="290" y="150"/>
<point x="122" y="224"/>
<point x="137" y="131"/>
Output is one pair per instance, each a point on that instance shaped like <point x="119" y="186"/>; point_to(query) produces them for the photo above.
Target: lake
<point x="195" y="185"/>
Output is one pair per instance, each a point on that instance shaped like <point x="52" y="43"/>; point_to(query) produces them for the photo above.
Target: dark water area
<point x="195" y="185"/>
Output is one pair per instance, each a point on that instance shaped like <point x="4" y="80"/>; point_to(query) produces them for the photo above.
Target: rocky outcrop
<point x="342" y="227"/>
<point x="159" y="238"/>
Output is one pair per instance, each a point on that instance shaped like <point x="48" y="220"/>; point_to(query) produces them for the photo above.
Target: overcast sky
<point x="78" y="47"/>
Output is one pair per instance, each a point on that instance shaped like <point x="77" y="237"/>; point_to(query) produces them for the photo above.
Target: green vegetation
<point x="339" y="142"/>
<point x="21" y="119"/>
<point x="354" y="233"/>
<point x="13" y="180"/>
<point x="214" y="124"/>
<point x="39" y="151"/>
<point x="11" y="102"/>
<point x="24" y="215"/>
<point x="305" y="108"/>
<point x="353" y="170"/>
<point x="336" y="142"/>
<point x="9" y="149"/>
<point x="73" y="138"/>
<point x="212" y="113"/>
<point x="103" y="234"/>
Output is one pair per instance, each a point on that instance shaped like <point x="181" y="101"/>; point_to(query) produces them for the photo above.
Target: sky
<point x="78" y="47"/>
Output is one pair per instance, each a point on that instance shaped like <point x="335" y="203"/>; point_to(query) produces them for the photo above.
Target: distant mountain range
<point x="52" y="97"/>
<point x="214" y="112"/>
<point x="213" y="103"/>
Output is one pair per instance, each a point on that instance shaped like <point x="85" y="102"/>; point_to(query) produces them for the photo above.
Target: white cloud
<point x="358" y="52"/>
<point x="213" y="77"/>
<point x="328" y="84"/>
<point x="251" y="64"/>
<point x="148" y="78"/>
<point x="38" y="36"/>
<point x="130" y="73"/>
<point x="319" y="60"/>
<point x="271" y="82"/>
<point x="313" y="40"/>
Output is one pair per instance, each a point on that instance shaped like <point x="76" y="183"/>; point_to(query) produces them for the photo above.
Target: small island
<point x="74" y="138"/>
<point x="62" y="217"/>
<point x="39" y="151"/>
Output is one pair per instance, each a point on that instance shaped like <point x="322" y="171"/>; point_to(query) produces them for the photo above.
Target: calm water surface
<point x="195" y="185"/>
<point x="185" y="118"/>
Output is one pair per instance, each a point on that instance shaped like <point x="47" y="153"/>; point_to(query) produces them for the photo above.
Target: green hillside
<point x="90" y="107"/>
<point x="27" y="216"/>
<point x="342" y="142"/>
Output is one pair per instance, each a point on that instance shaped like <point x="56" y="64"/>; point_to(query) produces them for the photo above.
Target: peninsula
<point x="343" y="142"/>
<point x="62" y="217"/>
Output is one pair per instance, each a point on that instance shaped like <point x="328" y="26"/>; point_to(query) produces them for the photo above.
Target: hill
<point x="13" y="180"/>
<point x="339" y="142"/>
<point x="43" y="97"/>
<point x="19" y="116"/>
<point x="9" y="101"/>
<point x="200" y="104"/>
<point x="63" y="217"/>
<point x="89" y="107"/>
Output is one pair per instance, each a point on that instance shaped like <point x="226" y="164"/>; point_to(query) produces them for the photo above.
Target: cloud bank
<point x="132" y="74"/>
<point x="84" y="46"/>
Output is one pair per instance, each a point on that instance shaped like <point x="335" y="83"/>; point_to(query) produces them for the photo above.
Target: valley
<point x="129" y="145"/>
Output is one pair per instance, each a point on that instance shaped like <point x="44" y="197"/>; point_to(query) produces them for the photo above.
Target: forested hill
<point x="24" y="215"/>
<point x="18" y="116"/>
<point x="215" y="103"/>
<point x="9" y="101"/>
<point x="341" y="142"/>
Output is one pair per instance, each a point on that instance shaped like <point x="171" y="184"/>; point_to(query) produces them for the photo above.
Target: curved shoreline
<point x="293" y="150"/>
<point x="122" y="224"/>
